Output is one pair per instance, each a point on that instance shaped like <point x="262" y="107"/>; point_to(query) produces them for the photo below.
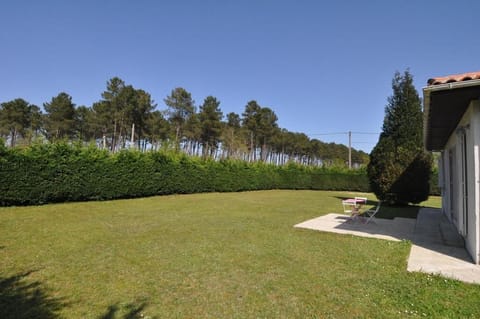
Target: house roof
<point x="454" y="78"/>
<point x="445" y="101"/>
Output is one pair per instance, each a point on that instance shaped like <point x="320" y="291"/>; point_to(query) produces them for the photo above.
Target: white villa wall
<point x="474" y="230"/>
<point x="453" y="204"/>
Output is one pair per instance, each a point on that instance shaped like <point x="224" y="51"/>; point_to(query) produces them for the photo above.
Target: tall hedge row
<point x="61" y="172"/>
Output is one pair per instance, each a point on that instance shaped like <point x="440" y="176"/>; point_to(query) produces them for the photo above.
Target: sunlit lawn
<point x="229" y="255"/>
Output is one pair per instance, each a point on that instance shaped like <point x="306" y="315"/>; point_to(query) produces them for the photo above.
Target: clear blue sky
<point x="322" y="66"/>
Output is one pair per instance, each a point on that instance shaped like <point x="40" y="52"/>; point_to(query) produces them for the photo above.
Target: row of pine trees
<point x="126" y="117"/>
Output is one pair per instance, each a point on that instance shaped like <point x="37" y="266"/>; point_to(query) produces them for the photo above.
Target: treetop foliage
<point x="403" y="121"/>
<point x="127" y="117"/>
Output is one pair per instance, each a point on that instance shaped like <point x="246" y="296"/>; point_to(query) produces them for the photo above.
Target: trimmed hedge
<point x="341" y="181"/>
<point x="434" y="187"/>
<point x="61" y="172"/>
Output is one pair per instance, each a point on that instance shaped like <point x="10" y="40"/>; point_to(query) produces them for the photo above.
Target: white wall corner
<point x="475" y="127"/>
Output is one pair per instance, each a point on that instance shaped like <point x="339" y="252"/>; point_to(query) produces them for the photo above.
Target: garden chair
<point x="352" y="206"/>
<point x="370" y="213"/>
<point x="347" y="206"/>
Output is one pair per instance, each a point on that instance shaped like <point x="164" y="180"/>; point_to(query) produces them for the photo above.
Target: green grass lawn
<point x="229" y="255"/>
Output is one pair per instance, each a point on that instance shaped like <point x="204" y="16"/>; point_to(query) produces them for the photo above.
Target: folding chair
<point x="352" y="206"/>
<point x="372" y="212"/>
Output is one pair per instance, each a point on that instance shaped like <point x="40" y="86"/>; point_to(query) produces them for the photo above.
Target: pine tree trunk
<point x="114" y="138"/>
<point x="14" y="137"/>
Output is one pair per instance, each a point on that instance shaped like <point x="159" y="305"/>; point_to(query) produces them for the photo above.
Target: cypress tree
<point x="399" y="168"/>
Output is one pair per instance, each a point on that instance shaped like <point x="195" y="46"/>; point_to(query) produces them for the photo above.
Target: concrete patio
<point x="436" y="246"/>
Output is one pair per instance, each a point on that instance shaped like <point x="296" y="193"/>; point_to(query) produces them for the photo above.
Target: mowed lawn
<point x="228" y="255"/>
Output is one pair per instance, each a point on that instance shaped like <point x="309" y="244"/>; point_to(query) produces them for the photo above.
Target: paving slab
<point x="437" y="248"/>
<point x="448" y="261"/>
<point x="377" y="228"/>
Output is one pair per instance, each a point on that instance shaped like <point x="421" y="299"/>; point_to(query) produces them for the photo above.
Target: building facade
<point x="452" y="127"/>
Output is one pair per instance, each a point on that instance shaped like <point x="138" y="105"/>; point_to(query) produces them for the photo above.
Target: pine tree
<point x="399" y="168"/>
<point x="181" y="107"/>
<point x="60" y="117"/>
<point x="210" y="117"/>
<point x="17" y="117"/>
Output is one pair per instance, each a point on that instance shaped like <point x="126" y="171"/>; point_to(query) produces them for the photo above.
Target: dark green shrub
<point x="397" y="175"/>
<point x="399" y="168"/>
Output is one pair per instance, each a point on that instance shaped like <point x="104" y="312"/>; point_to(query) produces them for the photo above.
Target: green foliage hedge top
<point x="61" y="172"/>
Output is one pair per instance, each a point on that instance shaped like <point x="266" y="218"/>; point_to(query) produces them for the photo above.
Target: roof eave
<point x="426" y="103"/>
<point x="450" y="86"/>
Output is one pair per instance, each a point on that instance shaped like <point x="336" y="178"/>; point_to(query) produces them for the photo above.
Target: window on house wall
<point x="465" y="182"/>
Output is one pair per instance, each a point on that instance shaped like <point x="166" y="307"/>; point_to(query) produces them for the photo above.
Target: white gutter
<point x="451" y="86"/>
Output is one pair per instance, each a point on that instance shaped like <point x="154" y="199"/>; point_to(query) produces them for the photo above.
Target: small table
<point x="353" y="206"/>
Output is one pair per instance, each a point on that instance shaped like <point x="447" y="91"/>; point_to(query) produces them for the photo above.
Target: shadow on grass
<point x="390" y="212"/>
<point x="128" y="311"/>
<point x="22" y="299"/>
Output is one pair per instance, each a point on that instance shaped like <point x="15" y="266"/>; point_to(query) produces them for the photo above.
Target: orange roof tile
<point x="455" y="78"/>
